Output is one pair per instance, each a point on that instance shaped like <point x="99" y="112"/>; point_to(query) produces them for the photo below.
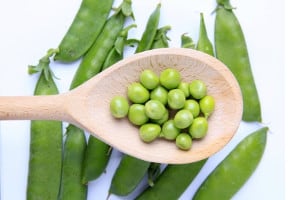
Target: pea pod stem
<point x="45" y="158"/>
<point x="232" y="172"/>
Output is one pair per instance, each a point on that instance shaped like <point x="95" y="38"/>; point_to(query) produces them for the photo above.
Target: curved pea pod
<point x="84" y="29"/>
<point x="74" y="148"/>
<point x="128" y="175"/>
<point x="231" y="49"/>
<point x="45" y="158"/>
<point x="150" y="31"/>
<point x="172" y="182"/>
<point x="231" y="174"/>
<point x="93" y="60"/>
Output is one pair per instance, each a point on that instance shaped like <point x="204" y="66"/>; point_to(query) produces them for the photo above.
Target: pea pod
<point x="150" y="30"/>
<point x="231" y="174"/>
<point x="74" y="148"/>
<point x="84" y="29"/>
<point x="177" y="178"/>
<point x="98" y="153"/>
<point x="93" y="60"/>
<point x="131" y="170"/>
<point x="231" y="49"/>
<point x="45" y="158"/>
<point x="204" y="44"/>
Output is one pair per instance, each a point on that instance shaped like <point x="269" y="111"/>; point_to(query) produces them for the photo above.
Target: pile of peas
<point x="166" y="107"/>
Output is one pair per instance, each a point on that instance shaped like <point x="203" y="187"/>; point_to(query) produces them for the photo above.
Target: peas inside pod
<point x="163" y="106"/>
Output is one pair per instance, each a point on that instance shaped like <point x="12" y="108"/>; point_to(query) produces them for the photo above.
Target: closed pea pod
<point x="74" y="148"/>
<point x="231" y="49"/>
<point x="84" y="29"/>
<point x="45" y="158"/>
<point x="231" y="174"/>
<point x="180" y="176"/>
<point x="93" y="60"/>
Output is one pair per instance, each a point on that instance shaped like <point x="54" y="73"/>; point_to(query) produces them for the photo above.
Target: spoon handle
<point x="50" y="107"/>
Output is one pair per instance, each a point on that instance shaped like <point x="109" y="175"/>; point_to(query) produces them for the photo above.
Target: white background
<point x="29" y="28"/>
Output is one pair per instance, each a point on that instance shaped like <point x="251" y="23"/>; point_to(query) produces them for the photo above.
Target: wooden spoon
<point x="87" y="106"/>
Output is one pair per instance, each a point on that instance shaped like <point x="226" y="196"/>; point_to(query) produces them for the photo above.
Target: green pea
<point x="149" y="132"/>
<point x="176" y="99"/>
<point x="184" y="141"/>
<point x="185" y="88"/>
<point x="169" y="130"/>
<point x="137" y="93"/>
<point x="193" y="106"/>
<point x="183" y="119"/>
<point x="197" y="89"/>
<point x="119" y="107"/>
<point x="137" y="114"/>
<point x="207" y="105"/>
<point x="198" y="128"/>
<point x="170" y="78"/>
<point x="149" y="79"/>
<point x="155" y="109"/>
<point x="160" y="94"/>
<point x="164" y="118"/>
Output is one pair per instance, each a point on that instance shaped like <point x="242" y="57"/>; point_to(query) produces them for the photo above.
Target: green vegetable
<point x="170" y="78"/>
<point x="184" y="141"/>
<point x="176" y="99"/>
<point x="150" y="31"/>
<point x="160" y="94"/>
<point x="149" y="132"/>
<point x="183" y="119"/>
<point x="198" y="128"/>
<point x="155" y="109"/>
<point x="128" y="175"/>
<point x="175" y="179"/>
<point x="85" y="28"/>
<point x="74" y="149"/>
<point x="231" y="174"/>
<point x="137" y="114"/>
<point x="207" y="105"/>
<point x="231" y="49"/>
<point x="197" y="89"/>
<point x="185" y="88"/>
<point x="137" y="93"/>
<point x="119" y="107"/>
<point x="193" y="106"/>
<point x="169" y="130"/>
<point x="149" y="79"/>
<point x="45" y="158"/>
<point x="204" y="44"/>
<point x="94" y="59"/>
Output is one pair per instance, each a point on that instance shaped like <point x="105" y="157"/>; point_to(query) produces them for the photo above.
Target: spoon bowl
<point x="87" y="106"/>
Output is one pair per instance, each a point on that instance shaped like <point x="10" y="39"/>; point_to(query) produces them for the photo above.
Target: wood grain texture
<point x="87" y="106"/>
